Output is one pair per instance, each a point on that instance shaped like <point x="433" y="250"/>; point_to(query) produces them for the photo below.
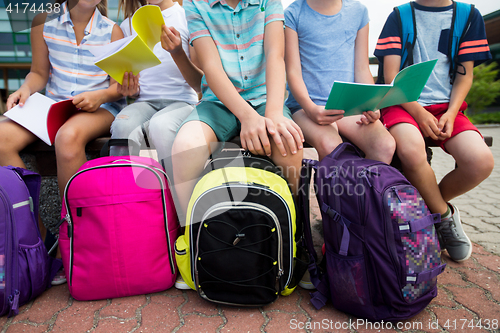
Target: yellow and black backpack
<point x="239" y="244"/>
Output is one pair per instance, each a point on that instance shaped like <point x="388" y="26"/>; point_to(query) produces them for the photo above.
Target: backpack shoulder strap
<point x="460" y="23"/>
<point x="408" y="33"/>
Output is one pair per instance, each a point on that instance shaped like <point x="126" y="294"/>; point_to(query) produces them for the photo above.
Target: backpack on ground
<point x="382" y="252"/>
<point x="239" y="242"/>
<point x="25" y="267"/>
<point x="460" y="23"/>
<point x="119" y="227"/>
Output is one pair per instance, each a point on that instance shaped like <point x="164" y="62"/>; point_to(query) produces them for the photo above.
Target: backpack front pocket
<point x="349" y="283"/>
<point x="33" y="259"/>
<point x="239" y="262"/>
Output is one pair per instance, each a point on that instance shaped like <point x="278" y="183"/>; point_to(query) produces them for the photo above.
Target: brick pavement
<point x="468" y="298"/>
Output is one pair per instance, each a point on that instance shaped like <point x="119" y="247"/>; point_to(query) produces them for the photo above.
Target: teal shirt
<point x="239" y="37"/>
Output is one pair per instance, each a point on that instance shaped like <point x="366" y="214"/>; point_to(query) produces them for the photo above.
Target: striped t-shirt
<point x="239" y="37"/>
<point x="72" y="69"/>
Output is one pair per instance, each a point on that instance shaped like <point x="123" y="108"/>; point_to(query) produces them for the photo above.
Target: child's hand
<point x="289" y="130"/>
<point x="324" y="117"/>
<point x="369" y="117"/>
<point x="253" y="134"/>
<point x="446" y="124"/>
<point x="18" y="97"/>
<point x="88" y="101"/>
<point x="428" y="124"/>
<point x="171" y="39"/>
<point x="130" y="85"/>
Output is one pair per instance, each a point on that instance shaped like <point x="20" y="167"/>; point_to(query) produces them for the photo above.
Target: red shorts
<point x="394" y="115"/>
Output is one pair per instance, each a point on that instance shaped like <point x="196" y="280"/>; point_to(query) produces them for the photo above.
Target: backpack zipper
<point x="8" y="252"/>
<point x="68" y="217"/>
<point x="247" y="205"/>
<point x="390" y="240"/>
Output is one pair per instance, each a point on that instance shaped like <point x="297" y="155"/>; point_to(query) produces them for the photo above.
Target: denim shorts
<point x="114" y="107"/>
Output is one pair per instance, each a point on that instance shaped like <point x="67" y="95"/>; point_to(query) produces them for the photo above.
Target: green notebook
<point x="355" y="98"/>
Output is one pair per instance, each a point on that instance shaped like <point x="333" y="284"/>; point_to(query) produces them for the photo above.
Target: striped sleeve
<point x="274" y="11"/>
<point x="474" y="46"/>
<point x="196" y="25"/>
<point x="389" y="41"/>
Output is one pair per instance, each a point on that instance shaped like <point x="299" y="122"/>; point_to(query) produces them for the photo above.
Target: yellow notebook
<point x="133" y="53"/>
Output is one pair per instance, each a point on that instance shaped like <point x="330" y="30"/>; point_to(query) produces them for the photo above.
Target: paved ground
<point x="468" y="299"/>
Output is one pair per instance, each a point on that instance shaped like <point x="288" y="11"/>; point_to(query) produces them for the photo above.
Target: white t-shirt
<point x="165" y="81"/>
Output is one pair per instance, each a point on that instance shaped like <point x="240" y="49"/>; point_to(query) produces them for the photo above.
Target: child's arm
<point x="459" y="91"/>
<point x="426" y="121"/>
<point x="362" y="73"/>
<point x="40" y="66"/>
<point x="171" y="41"/>
<point x="297" y="86"/>
<point x="254" y="127"/>
<point x="274" y="47"/>
<point x="90" y="101"/>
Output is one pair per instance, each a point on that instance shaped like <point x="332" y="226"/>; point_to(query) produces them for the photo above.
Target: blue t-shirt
<point x="326" y="46"/>
<point x="433" y="31"/>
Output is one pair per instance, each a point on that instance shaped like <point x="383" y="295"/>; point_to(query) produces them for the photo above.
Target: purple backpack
<point x="382" y="253"/>
<point x="25" y="267"/>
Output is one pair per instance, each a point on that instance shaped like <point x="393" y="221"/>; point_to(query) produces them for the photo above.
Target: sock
<point x="447" y="213"/>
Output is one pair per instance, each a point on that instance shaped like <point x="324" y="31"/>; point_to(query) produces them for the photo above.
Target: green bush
<point x="485" y="88"/>
<point x="485" y="118"/>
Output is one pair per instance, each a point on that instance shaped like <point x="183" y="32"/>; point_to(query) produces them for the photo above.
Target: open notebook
<point x="42" y="116"/>
<point x="355" y="98"/>
<point x="133" y="53"/>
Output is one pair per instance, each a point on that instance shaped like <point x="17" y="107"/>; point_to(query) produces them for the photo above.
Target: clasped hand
<point x="256" y="130"/>
<point x="434" y="129"/>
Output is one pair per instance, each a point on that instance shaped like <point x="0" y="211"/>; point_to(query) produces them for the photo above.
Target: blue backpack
<point x="25" y="267"/>
<point x="460" y="23"/>
<point x="382" y="253"/>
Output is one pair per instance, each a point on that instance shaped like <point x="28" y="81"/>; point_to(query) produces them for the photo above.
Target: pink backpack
<point x="118" y="234"/>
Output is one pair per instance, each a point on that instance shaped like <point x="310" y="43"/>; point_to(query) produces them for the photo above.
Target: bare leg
<point x="290" y="164"/>
<point x="410" y="147"/>
<point x="13" y="139"/>
<point x="72" y="138"/>
<point x="373" y="139"/>
<point x="325" y="138"/>
<point x="190" y="151"/>
<point x="474" y="164"/>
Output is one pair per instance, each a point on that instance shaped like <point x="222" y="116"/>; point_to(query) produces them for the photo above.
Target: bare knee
<point x="383" y="150"/>
<point x="326" y="145"/>
<point x="412" y="156"/>
<point x="68" y="143"/>
<point x="479" y="167"/>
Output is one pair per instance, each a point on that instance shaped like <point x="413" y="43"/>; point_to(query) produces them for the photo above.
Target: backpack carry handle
<point x="343" y="147"/>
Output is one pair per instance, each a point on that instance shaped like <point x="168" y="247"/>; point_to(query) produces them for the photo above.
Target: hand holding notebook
<point x="355" y="98"/>
<point x="133" y="53"/>
<point x="42" y="116"/>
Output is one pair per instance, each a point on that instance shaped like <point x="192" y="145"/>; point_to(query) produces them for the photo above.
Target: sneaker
<point x="453" y="237"/>
<point x="181" y="284"/>
<point x="60" y="278"/>
<point x="306" y="283"/>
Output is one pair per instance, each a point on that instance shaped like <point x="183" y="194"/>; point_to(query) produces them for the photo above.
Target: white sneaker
<point x="306" y="283"/>
<point x="181" y="284"/>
